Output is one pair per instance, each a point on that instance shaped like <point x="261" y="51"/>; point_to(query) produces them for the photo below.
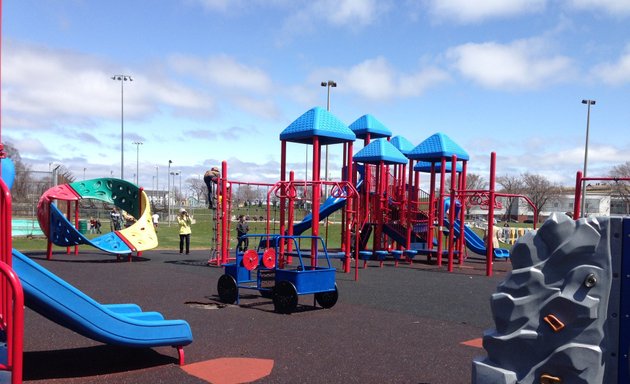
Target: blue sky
<point x="219" y="80"/>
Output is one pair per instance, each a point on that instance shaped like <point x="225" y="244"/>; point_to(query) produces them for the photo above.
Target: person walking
<point x="241" y="230"/>
<point x="184" y="221"/>
<point x="156" y="221"/>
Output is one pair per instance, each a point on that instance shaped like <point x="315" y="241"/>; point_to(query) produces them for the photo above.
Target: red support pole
<point x="283" y="200"/>
<point x="316" y="195"/>
<point x="431" y="209"/>
<point x="578" y="197"/>
<point x="68" y="206"/>
<point x="440" y="212"/>
<point x="344" y="167"/>
<point x="462" y="214"/>
<point x="409" y="204"/>
<point x="451" y="213"/>
<point x="76" y="223"/>
<point x="347" y="222"/>
<point x="357" y="229"/>
<point x="225" y="240"/>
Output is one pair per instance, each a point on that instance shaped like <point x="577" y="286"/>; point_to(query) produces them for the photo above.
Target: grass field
<point x="202" y="233"/>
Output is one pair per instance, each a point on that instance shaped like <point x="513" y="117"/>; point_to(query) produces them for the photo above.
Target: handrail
<point x="13" y="322"/>
<point x="11" y="293"/>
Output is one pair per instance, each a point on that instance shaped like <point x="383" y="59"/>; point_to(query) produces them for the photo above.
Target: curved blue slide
<point x="117" y="324"/>
<point x="63" y="233"/>
<point x="476" y="243"/>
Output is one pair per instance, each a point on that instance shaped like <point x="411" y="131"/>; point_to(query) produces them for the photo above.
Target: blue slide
<point x="330" y="205"/>
<point x="476" y="243"/>
<point x="117" y="324"/>
<point x="64" y="234"/>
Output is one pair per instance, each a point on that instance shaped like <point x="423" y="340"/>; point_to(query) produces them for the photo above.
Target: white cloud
<point x="265" y="108"/>
<point x="217" y="5"/>
<point x="44" y="87"/>
<point x="612" y="7"/>
<point x="376" y="79"/>
<point x="614" y="73"/>
<point x="467" y="11"/>
<point x="522" y="64"/>
<point x="348" y="12"/>
<point x="224" y="71"/>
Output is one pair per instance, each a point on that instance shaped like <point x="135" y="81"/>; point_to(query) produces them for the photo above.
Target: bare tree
<point x="621" y="187"/>
<point x="198" y="188"/>
<point x="514" y="185"/>
<point x="246" y="194"/>
<point x="474" y="181"/>
<point x="23" y="177"/>
<point x="539" y="189"/>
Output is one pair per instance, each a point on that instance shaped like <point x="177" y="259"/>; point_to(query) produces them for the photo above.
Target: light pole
<point x="180" y="186"/>
<point x="168" y="191"/>
<point x="173" y="174"/>
<point x="327" y="84"/>
<point x="84" y="173"/>
<point x="588" y="122"/>
<point x="137" y="144"/>
<point x="122" y="79"/>
<point x="157" y="181"/>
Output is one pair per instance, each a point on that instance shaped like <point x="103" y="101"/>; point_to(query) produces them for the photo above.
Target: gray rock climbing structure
<point x="557" y="314"/>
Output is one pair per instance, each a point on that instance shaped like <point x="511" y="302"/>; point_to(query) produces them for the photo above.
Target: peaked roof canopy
<point x="437" y="147"/>
<point x="317" y="122"/>
<point x="368" y="124"/>
<point x="402" y="144"/>
<point x="380" y="150"/>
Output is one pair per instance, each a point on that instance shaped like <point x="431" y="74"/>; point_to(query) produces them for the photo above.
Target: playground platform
<point x="407" y="324"/>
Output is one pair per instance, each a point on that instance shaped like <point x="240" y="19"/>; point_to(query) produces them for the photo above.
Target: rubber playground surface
<point x="407" y="324"/>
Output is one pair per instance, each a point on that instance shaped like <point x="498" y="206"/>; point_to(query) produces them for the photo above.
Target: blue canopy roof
<point x="423" y="166"/>
<point x="380" y="150"/>
<point x="436" y="147"/>
<point x="317" y="122"/>
<point x="368" y="124"/>
<point x="402" y="144"/>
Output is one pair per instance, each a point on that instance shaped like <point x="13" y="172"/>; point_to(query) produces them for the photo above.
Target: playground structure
<point x="379" y="196"/>
<point x="59" y="230"/>
<point x="24" y="282"/>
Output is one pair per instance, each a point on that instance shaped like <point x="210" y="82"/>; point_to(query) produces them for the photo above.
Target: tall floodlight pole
<point x="180" y="185"/>
<point x="122" y="79"/>
<point x="137" y="144"/>
<point x="588" y="122"/>
<point x="157" y="181"/>
<point x="327" y="84"/>
<point x="173" y="174"/>
<point x="168" y="191"/>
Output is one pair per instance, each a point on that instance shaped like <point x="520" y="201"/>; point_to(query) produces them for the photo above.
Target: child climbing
<point x="211" y="178"/>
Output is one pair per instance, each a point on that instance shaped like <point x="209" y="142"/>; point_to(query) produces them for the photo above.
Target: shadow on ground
<point x="90" y="361"/>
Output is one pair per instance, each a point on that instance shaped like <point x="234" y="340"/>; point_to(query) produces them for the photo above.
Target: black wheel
<point x="327" y="299"/>
<point x="226" y="286"/>
<point x="285" y="297"/>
